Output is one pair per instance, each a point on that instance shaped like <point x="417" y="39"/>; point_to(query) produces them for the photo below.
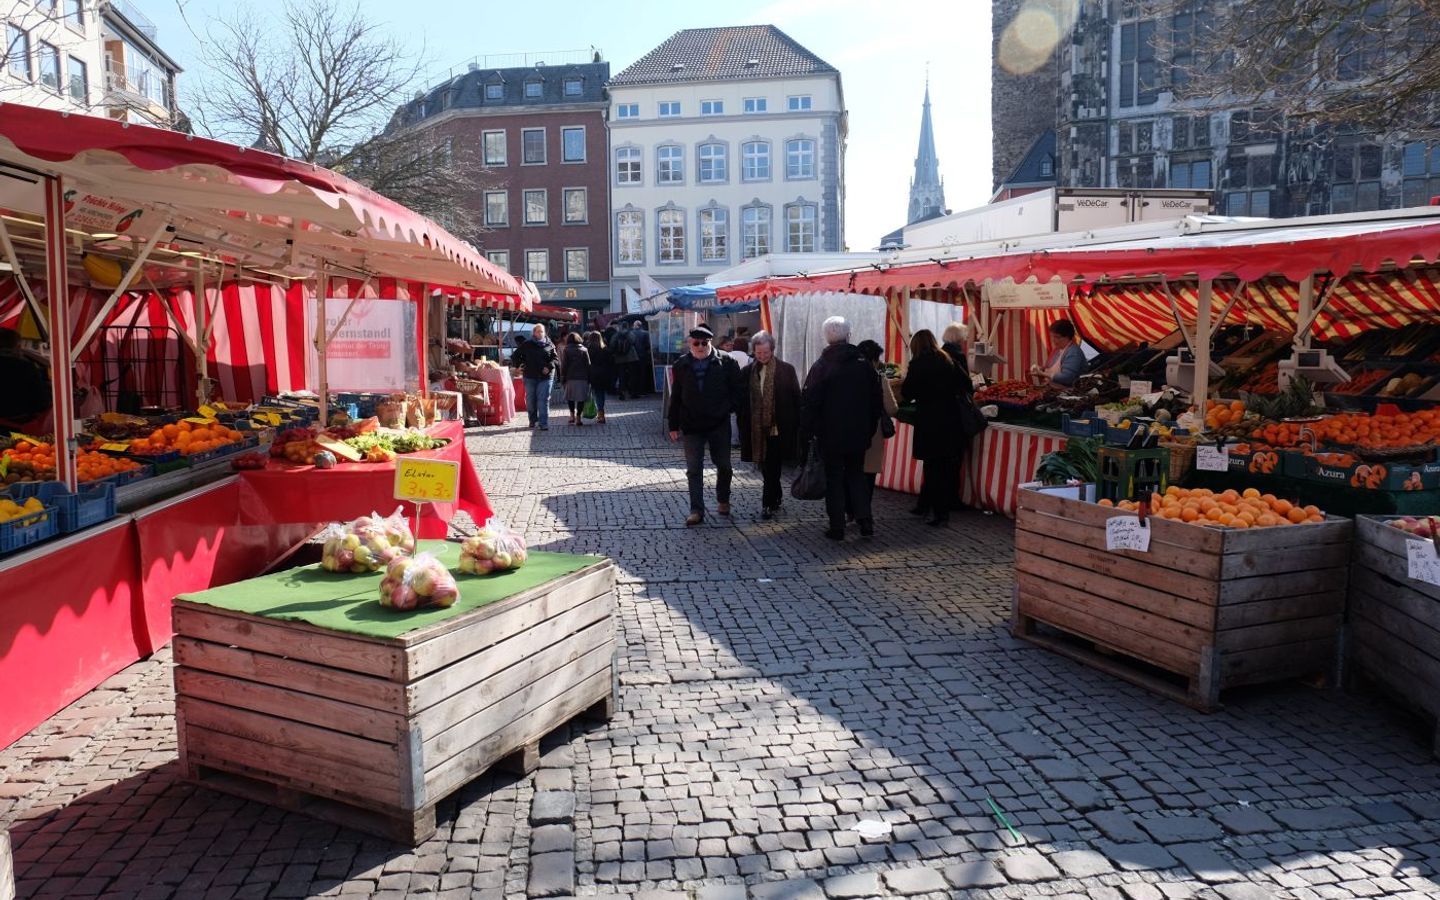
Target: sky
<point x="882" y="50"/>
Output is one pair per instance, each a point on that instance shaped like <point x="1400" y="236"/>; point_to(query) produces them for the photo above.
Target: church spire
<point x="927" y="191"/>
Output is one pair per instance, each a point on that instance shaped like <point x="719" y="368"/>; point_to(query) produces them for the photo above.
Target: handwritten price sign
<point x="1424" y="564"/>
<point x="1208" y="458"/>
<point x="427" y="480"/>
<point x="1127" y="533"/>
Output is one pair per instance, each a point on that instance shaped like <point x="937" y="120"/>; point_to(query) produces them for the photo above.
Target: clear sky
<point x="881" y="49"/>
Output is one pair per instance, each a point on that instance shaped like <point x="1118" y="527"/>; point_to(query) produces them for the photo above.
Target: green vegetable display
<point x="397" y="442"/>
<point x="1079" y="461"/>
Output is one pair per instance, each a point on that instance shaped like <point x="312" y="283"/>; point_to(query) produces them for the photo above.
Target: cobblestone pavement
<point x="777" y="689"/>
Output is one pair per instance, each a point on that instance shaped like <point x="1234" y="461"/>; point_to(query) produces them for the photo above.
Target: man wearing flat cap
<point x="705" y="392"/>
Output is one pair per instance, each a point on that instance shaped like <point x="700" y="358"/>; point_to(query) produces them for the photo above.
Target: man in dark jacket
<point x="536" y="359"/>
<point x="841" y="408"/>
<point x="705" y="391"/>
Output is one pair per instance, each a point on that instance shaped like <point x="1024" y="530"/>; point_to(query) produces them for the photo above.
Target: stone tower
<point x="927" y="191"/>
<point x="1024" y="75"/>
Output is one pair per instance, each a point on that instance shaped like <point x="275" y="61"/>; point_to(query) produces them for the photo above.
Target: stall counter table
<point x="298" y="689"/>
<point x="1001" y="459"/>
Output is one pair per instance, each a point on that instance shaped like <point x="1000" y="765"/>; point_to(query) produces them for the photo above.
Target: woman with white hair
<point x="770" y="419"/>
<point x="840" y="409"/>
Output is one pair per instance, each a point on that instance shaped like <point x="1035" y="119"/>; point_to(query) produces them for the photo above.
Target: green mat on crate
<point x="349" y="602"/>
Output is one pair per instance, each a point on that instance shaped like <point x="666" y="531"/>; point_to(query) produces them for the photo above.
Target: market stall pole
<point x="61" y="391"/>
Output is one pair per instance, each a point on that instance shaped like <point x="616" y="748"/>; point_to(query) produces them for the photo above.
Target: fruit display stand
<point x="1217" y="608"/>
<point x="1393" y="634"/>
<point x="299" y="690"/>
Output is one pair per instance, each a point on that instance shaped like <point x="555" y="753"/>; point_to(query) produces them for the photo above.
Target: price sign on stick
<point x="1424" y="564"/>
<point x="1209" y="458"/>
<point x="1127" y="533"/>
<point x="1139" y="388"/>
<point x="427" y="480"/>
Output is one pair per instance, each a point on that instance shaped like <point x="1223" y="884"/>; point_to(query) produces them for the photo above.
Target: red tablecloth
<point x="1002" y="459"/>
<point x="283" y="493"/>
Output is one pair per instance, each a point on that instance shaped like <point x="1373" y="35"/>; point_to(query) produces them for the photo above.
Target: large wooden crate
<point x="1216" y="607"/>
<point x="372" y="733"/>
<point x="7" y="868"/>
<point x="1394" y="621"/>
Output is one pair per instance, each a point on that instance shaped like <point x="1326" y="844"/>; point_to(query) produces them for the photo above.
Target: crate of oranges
<point x="185" y="439"/>
<point x="1226" y="509"/>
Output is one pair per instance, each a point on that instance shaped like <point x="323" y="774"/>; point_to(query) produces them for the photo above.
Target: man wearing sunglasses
<point x="705" y="392"/>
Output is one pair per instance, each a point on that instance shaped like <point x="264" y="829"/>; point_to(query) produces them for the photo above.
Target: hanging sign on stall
<point x="427" y="480"/>
<point x="1209" y="458"/>
<point x="1424" y="563"/>
<point x="1010" y="294"/>
<point x="1127" y="533"/>
<point x="368" y="351"/>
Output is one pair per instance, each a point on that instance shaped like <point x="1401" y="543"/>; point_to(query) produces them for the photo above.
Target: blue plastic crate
<point x="28" y="529"/>
<point x="1090" y="425"/>
<point x="93" y="504"/>
<point x="123" y="478"/>
<point x="226" y="450"/>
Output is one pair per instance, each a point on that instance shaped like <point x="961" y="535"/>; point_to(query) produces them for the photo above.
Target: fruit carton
<point x="1377" y="476"/>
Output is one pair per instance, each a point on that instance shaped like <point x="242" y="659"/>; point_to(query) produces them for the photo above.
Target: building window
<point x="577" y="206"/>
<point x="1194" y="174"/>
<point x="669" y="108"/>
<point x="714" y="234"/>
<point x="50" y="66"/>
<point x="627" y="111"/>
<point x="577" y="264"/>
<point x="494" y="90"/>
<point x="493" y="143"/>
<point x="797" y="102"/>
<point x="1355" y="175"/>
<point x="79" y="82"/>
<point x="1137" y="64"/>
<point x="572" y="144"/>
<point x="1249" y="203"/>
<point x="532" y="141"/>
<point x="800" y="159"/>
<point x="755" y="161"/>
<point x="534" y="88"/>
<point x="497" y="209"/>
<point x="670" y="164"/>
<point x="713" y="169"/>
<point x="712" y="107"/>
<point x="630" y="237"/>
<point x="754" y="231"/>
<point x="1135" y="172"/>
<point x="627" y="165"/>
<point x="574" y="86"/>
<point x="75" y="14"/>
<point x="1047" y="168"/>
<point x="755" y="104"/>
<point x="800" y="228"/>
<point x="500" y="258"/>
<point x="1420" y="167"/>
<point x="18" y="42"/>
<point x="537" y="265"/>
<point x="535" y="203"/>
<point x="1190" y="132"/>
<point x="672" y="235"/>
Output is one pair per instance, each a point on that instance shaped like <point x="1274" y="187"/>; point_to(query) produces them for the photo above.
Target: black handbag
<point x="972" y="421"/>
<point x="809" y="483"/>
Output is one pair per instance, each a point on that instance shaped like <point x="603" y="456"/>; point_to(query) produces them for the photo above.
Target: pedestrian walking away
<point x="875" y="453"/>
<point x="705" y="392"/>
<point x="642" y="379"/>
<point x="602" y="372"/>
<point x="770" y="418"/>
<point x="575" y="376"/>
<point x="937" y="386"/>
<point x="840" y="408"/>
<point x="537" y="359"/>
<point x="623" y="349"/>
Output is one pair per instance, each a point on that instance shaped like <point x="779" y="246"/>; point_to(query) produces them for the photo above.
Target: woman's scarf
<point x="762" y="407"/>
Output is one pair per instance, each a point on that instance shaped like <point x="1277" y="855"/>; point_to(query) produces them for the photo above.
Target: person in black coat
<point x="705" y="391"/>
<point x="936" y="383"/>
<point x="840" y="409"/>
<point x="537" y="359"/>
<point x="770" y="420"/>
<point x="602" y="372"/>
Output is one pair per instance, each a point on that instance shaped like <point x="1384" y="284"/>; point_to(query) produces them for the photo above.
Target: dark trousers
<point x="718" y="440"/>
<point x="940" y="491"/>
<point x="845" y="487"/>
<point x="771" y="494"/>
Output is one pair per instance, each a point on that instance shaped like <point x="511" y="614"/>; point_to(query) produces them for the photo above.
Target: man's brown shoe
<point x="694" y="519"/>
<point x="724" y="509"/>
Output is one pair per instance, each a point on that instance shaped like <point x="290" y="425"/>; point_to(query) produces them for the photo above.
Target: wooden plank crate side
<point x="7" y="867"/>
<point x="1120" y="636"/>
<point x="1141" y="596"/>
<point x="296" y="640"/>
<point x="1165" y="552"/>
<point x="1179" y="534"/>
<point x="1389" y="653"/>
<point x="1194" y="694"/>
<point x="1242" y="667"/>
<point x="1383" y="548"/>
<point x="277" y="671"/>
<point x="1260" y="612"/>
<point x="1422" y="625"/>
<point x="1179" y="640"/>
<point x="1121" y="566"/>
<point x="302" y="706"/>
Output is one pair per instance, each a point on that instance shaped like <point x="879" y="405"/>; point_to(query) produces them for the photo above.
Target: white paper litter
<point x="871" y="828"/>
<point x="764" y="580"/>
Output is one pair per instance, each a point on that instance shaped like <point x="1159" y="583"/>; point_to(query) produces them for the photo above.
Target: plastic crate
<point x="1091" y="425"/>
<point x="92" y="504"/>
<point x="228" y="449"/>
<point x="28" y="529"/>
<point x="120" y="479"/>
<point x="1133" y="474"/>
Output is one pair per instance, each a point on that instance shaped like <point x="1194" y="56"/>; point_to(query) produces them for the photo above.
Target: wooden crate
<point x="7" y="868"/>
<point x="1393" y="630"/>
<point x="372" y="733"/>
<point x="1217" y="607"/>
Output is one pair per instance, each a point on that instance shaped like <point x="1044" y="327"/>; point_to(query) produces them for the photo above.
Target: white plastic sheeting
<point x="797" y="320"/>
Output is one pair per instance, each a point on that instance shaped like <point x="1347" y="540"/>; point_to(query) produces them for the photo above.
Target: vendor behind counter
<point x="25" y="400"/>
<point x="1066" y="362"/>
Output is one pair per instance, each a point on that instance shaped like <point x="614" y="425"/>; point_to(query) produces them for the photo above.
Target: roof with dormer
<point x="715" y="54"/>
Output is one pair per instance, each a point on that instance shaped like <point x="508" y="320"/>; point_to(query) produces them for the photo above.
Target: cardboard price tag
<point x="339" y="448"/>
<point x="196" y="420"/>
<point x="19" y="436"/>
<point x="427" y="480"/>
<point x="1127" y="533"/>
<point x="207" y="412"/>
<point x="1139" y="388"/>
<point x="116" y="448"/>
<point x="1424" y="564"/>
<point x="1209" y="458"/>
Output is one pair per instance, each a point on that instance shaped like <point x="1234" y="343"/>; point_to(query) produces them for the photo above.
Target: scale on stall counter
<point x="984" y="359"/>
<point x="1180" y="369"/>
<point x="1316" y="366"/>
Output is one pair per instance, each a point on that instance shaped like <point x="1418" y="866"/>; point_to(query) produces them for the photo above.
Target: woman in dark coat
<point x="602" y="371"/>
<point x="770" y="419"/>
<point x="575" y="375"/>
<point x="935" y="383"/>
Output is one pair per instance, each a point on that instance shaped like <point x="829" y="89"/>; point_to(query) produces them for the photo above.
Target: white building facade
<point x="97" y="57"/>
<point x="725" y="144"/>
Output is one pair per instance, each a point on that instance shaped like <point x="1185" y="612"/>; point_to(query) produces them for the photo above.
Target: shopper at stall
<point x="623" y="348"/>
<point x="840" y="408"/>
<point x="1066" y="362"/>
<point x="602" y="372"/>
<point x="642" y="379"/>
<point x="575" y="376"/>
<point x="937" y="386"/>
<point x="706" y="391"/>
<point x="536" y="358"/>
<point x="26" y="400"/>
<point x="770" y="420"/>
<point x="875" y="454"/>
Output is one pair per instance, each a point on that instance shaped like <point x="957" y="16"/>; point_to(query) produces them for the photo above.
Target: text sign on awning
<point x="1010" y="294"/>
